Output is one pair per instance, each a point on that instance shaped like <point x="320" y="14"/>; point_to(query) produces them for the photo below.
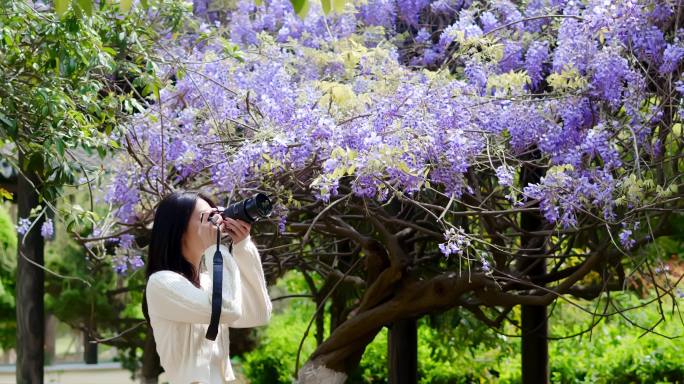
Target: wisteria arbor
<point x="425" y="155"/>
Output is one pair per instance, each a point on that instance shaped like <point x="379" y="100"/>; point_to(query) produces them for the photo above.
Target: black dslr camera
<point x="249" y="210"/>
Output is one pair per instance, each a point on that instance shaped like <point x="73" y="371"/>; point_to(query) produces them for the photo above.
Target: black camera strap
<point x="216" y="298"/>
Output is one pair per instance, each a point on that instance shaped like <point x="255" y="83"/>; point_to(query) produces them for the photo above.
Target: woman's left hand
<point x="238" y="230"/>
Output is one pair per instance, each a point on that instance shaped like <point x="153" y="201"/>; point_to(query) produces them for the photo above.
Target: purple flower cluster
<point x="379" y="12"/>
<point x="126" y="241"/>
<point x="122" y="263"/>
<point x="124" y="193"/>
<point x="278" y="18"/>
<point x="627" y="233"/>
<point x="610" y="72"/>
<point x="47" y="230"/>
<point x="505" y="175"/>
<point x="456" y="242"/>
<point x="672" y="58"/>
<point x="335" y="99"/>
<point x="535" y="60"/>
<point x="23" y="225"/>
<point x="564" y="193"/>
<point x="410" y="10"/>
<point x="626" y="238"/>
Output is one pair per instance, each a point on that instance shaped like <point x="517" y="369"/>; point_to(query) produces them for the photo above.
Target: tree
<point x="68" y="82"/>
<point x="426" y="156"/>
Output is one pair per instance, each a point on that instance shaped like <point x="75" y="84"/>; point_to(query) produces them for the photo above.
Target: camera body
<point x="249" y="210"/>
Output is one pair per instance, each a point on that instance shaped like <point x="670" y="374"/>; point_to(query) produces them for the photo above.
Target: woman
<point x="177" y="299"/>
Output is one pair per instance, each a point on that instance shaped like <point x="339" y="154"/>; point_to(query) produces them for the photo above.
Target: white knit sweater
<point x="180" y="312"/>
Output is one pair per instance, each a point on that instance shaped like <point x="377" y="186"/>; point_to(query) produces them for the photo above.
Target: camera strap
<point x="216" y="299"/>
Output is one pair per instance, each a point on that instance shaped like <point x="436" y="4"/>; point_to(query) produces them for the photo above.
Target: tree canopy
<point x="423" y="155"/>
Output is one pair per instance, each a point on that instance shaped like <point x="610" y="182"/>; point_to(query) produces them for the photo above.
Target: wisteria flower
<point x="23" y="225"/>
<point x="47" y="230"/>
<point x="626" y="239"/>
<point x="120" y="264"/>
<point x="137" y="262"/>
<point x="456" y="242"/>
<point x="126" y="240"/>
<point x="505" y="175"/>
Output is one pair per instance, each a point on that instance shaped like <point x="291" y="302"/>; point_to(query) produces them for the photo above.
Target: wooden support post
<point x="534" y="344"/>
<point x="403" y="352"/>
<point x="30" y="290"/>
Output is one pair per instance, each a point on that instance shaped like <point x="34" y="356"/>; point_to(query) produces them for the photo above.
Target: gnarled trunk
<point x="30" y="288"/>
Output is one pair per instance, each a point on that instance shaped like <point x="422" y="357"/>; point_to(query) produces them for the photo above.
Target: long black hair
<point x="166" y="248"/>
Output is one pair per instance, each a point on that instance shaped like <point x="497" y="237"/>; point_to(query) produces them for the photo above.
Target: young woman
<point x="177" y="300"/>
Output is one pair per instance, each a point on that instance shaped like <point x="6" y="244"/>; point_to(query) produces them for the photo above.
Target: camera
<point x="249" y="210"/>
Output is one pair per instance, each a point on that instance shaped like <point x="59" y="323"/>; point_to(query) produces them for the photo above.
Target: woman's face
<point x="200" y="234"/>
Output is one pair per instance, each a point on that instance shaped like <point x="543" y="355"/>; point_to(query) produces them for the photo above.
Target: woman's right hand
<point x="238" y="230"/>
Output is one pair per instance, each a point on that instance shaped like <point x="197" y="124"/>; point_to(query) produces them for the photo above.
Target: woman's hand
<point x="238" y="230"/>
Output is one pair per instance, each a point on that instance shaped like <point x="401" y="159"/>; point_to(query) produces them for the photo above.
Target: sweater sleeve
<point x="173" y="297"/>
<point x="256" y="305"/>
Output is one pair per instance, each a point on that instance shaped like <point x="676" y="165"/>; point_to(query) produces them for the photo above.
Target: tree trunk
<point x="535" y="349"/>
<point x="151" y="367"/>
<point x="50" y="337"/>
<point x="403" y="352"/>
<point x="89" y="348"/>
<point x="534" y="344"/>
<point x="30" y="290"/>
<point x="341" y="352"/>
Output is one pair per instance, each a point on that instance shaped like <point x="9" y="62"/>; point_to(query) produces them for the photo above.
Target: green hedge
<point x="456" y="348"/>
<point x="8" y="266"/>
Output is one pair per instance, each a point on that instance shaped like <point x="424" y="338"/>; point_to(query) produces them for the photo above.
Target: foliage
<point x="86" y="293"/>
<point x="8" y="249"/>
<point x="614" y="352"/>
<point x="274" y="360"/>
<point x="65" y="102"/>
<point x="70" y="80"/>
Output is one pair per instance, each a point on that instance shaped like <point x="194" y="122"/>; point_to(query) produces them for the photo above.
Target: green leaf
<point x="59" y="144"/>
<point x="61" y="6"/>
<point x="11" y="124"/>
<point x="155" y="89"/>
<point x="5" y="194"/>
<point x="86" y="6"/>
<point x="125" y="5"/>
<point x="338" y="5"/>
<point x="301" y="7"/>
<point x="326" y="6"/>
<point x="137" y="105"/>
<point x="145" y="4"/>
<point x="34" y="163"/>
<point x="258" y="2"/>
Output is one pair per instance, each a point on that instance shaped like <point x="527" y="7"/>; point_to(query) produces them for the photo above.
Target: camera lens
<point x="262" y="205"/>
<point x="250" y="210"/>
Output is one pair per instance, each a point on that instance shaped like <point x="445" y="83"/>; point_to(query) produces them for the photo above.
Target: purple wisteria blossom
<point x="126" y="240"/>
<point x="626" y="238"/>
<point x="376" y="101"/>
<point x="505" y="175"/>
<point x="47" y="230"/>
<point x="124" y="263"/>
<point x="456" y="242"/>
<point x="672" y="58"/>
<point x="23" y="225"/>
<point x="137" y="262"/>
<point x="535" y="60"/>
<point x="120" y="264"/>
